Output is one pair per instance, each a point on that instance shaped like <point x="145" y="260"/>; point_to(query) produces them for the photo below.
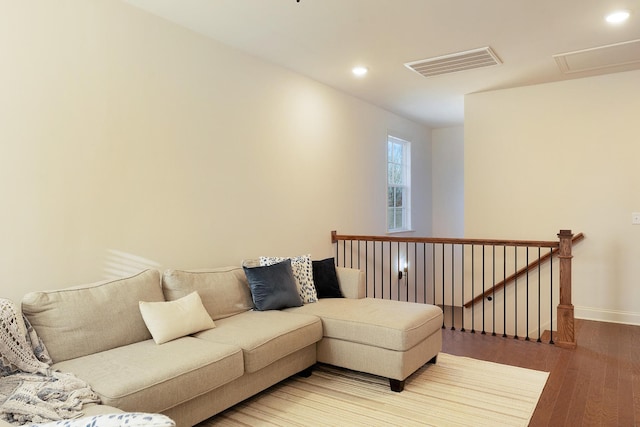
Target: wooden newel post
<point x="566" y="331"/>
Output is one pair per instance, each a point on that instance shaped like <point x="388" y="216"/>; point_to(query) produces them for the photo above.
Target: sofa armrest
<point x="351" y="282"/>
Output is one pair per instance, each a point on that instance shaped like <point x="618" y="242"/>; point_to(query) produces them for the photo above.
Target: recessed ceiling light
<point x="618" y="17"/>
<point x="359" y="71"/>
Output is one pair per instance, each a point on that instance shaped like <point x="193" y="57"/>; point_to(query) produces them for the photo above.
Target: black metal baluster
<point x="390" y="272"/>
<point x="415" y="272"/>
<point x="398" y="262"/>
<point x="433" y="271"/>
<point x="443" y="286"/>
<point x="382" y="268"/>
<point x="504" y="291"/>
<point x="493" y="290"/>
<point x="515" y="289"/>
<point x="473" y="288"/>
<point x="424" y="273"/>
<point x="351" y="252"/>
<point x="374" y="269"/>
<point x="406" y="263"/>
<point x="539" y="326"/>
<point x="527" y="299"/>
<point x="551" y="294"/>
<point x="366" y="267"/>
<point x="462" y="301"/>
<point x="483" y="290"/>
<point x="453" y="281"/>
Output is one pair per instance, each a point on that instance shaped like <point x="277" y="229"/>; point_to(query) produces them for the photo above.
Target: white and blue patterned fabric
<point x="127" y="419"/>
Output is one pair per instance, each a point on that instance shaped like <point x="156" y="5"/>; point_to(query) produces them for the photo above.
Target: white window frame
<point x="398" y="212"/>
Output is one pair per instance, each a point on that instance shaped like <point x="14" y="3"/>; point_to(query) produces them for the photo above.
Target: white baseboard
<point x="602" y="315"/>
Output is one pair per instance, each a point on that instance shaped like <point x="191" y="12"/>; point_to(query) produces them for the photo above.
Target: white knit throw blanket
<point x="30" y="392"/>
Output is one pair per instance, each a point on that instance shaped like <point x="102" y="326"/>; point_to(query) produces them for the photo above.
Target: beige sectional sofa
<point x="97" y="332"/>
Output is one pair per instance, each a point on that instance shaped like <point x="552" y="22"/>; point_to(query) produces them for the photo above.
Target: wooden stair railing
<point x="565" y="310"/>
<point x="522" y="272"/>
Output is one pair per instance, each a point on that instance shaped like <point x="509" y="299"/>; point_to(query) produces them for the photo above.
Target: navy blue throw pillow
<point x="273" y="286"/>
<point x="325" y="279"/>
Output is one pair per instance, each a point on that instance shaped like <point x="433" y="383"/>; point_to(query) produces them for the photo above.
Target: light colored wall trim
<point x="603" y="315"/>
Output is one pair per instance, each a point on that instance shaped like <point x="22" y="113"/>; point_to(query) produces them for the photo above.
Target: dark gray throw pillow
<point x="273" y="286"/>
<point x="325" y="279"/>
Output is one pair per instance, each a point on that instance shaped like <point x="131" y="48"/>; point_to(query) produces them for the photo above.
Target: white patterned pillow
<point x="303" y="273"/>
<point x="128" y="419"/>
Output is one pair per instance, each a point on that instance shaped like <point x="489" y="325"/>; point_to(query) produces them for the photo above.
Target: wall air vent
<point x="454" y="62"/>
<point x="597" y="58"/>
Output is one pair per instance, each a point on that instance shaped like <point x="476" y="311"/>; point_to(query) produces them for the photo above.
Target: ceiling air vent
<point x="612" y="55"/>
<point x="452" y="63"/>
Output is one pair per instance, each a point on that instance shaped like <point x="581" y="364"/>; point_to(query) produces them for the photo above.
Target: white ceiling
<point x="324" y="39"/>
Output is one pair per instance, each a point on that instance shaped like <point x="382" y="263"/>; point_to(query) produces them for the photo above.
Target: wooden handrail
<point x="446" y="240"/>
<point x="523" y="271"/>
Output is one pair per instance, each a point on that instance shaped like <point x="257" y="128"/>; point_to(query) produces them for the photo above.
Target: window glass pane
<point x="390" y="219"/>
<point x="395" y="174"/>
<point x="404" y="179"/>
<point x="396" y="197"/>
<point x="399" y="198"/>
<point x="398" y="218"/>
<point x="397" y="153"/>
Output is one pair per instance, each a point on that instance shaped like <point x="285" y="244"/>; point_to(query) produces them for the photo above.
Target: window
<point x="398" y="184"/>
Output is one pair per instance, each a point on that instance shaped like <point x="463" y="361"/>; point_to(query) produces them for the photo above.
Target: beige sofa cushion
<point x="393" y="325"/>
<point x="146" y="377"/>
<point x="90" y="318"/>
<point x="352" y="282"/>
<point x="224" y="291"/>
<point x="265" y="336"/>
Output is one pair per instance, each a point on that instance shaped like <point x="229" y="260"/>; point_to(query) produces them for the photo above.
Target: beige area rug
<point x="457" y="391"/>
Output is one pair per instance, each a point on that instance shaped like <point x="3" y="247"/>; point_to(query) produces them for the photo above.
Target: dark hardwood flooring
<point x="597" y="384"/>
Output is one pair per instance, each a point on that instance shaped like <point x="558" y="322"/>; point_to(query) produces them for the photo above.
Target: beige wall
<point x="447" y="166"/>
<point x="563" y="156"/>
<point x="130" y="142"/>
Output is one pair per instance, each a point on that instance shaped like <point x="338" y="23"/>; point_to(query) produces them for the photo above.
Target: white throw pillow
<point x="174" y="319"/>
<point x="129" y="419"/>
<point x="302" y="272"/>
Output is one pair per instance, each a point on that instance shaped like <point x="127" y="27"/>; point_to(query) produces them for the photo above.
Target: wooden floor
<point x="597" y="384"/>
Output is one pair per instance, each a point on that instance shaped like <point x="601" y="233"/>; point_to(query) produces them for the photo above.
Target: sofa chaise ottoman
<point x="387" y="338"/>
